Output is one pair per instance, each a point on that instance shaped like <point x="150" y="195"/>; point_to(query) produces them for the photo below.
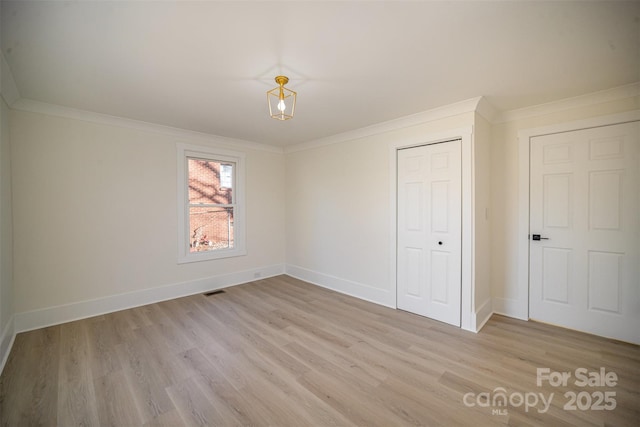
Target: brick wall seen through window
<point x="211" y="205"/>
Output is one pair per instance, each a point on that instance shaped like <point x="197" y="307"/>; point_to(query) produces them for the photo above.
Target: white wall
<point x="6" y="237"/>
<point x="338" y="211"/>
<point x="482" y="219"/>
<point x="8" y="91"/>
<point x="95" y="219"/>
<point x="507" y="298"/>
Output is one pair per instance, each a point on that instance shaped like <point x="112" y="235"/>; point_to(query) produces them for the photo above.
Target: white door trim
<point x="465" y="134"/>
<point x="520" y="308"/>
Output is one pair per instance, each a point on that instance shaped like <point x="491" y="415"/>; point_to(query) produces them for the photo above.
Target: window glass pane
<point x="210" y="182"/>
<point x="226" y="176"/>
<point x="210" y="228"/>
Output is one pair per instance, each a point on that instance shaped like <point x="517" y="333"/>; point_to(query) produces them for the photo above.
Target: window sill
<point x="210" y="255"/>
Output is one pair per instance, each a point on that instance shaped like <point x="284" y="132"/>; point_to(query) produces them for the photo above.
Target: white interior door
<point x="429" y="231"/>
<point x="585" y="192"/>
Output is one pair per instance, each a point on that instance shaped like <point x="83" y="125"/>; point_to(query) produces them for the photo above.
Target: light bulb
<point x="282" y="106"/>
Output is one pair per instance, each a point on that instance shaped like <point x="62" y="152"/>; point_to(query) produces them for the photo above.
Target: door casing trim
<point x="465" y="134"/>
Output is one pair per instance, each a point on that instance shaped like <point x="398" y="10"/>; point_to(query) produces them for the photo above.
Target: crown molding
<point x="486" y="110"/>
<point x="8" y="87"/>
<point x="32" y="106"/>
<point x="450" y="110"/>
<point x="608" y="95"/>
<point x="480" y="105"/>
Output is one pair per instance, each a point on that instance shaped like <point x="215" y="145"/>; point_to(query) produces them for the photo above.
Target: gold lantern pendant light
<point x="282" y="101"/>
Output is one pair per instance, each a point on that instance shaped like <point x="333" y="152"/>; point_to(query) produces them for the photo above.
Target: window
<point x="210" y="204"/>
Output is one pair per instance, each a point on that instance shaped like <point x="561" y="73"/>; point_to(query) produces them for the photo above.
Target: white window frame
<point x="184" y="152"/>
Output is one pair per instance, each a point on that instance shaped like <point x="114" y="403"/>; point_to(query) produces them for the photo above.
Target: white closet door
<point x="429" y="231"/>
<point x="585" y="191"/>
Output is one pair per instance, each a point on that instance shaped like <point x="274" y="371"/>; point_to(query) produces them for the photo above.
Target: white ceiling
<point x="205" y="66"/>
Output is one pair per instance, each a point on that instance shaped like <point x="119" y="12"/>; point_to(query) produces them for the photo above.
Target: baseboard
<point x="37" y="319"/>
<point x="511" y="308"/>
<point x="6" y="342"/>
<point x="344" y="286"/>
<point x="483" y="314"/>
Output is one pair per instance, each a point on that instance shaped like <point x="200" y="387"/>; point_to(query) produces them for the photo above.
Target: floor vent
<point x="219" y="291"/>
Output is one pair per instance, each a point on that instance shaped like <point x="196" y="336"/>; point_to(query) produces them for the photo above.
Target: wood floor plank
<point x="102" y="340"/>
<point x="116" y="406"/>
<point x="168" y="419"/>
<point x="360" y="406"/>
<point x="308" y="409"/>
<point x="146" y="379"/>
<point x="282" y="352"/>
<point x="267" y="390"/>
<point x="30" y="396"/>
<point x="216" y="386"/>
<point x="308" y="348"/>
<point x="169" y="336"/>
<point x="160" y="354"/>
<point x="196" y="409"/>
<point x="77" y="404"/>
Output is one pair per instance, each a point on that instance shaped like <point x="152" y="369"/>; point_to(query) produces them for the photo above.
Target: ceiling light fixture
<point x="282" y="101"/>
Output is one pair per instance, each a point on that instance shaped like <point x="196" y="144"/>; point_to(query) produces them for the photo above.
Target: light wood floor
<point x="281" y="352"/>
